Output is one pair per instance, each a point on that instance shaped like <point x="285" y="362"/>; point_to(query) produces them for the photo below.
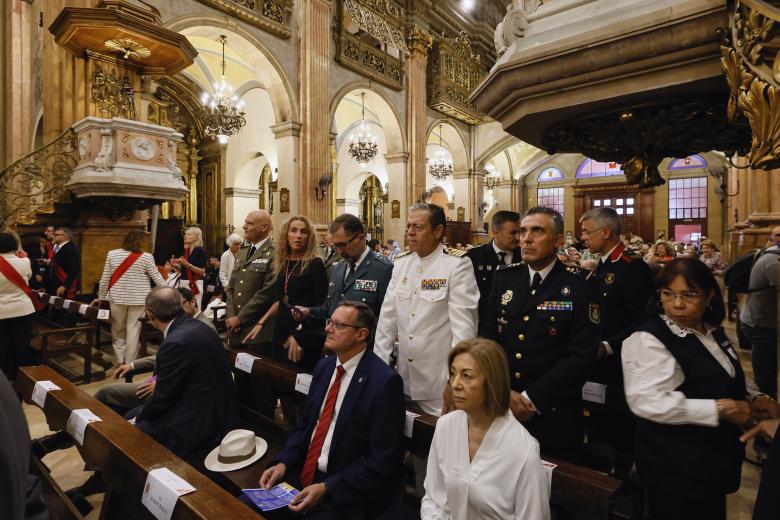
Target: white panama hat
<point x="238" y="449"/>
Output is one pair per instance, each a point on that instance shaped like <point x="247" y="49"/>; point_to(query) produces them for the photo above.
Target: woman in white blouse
<point x="684" y="383"/>
<point x="483" y="464"/>
<point x="228" y="259"/>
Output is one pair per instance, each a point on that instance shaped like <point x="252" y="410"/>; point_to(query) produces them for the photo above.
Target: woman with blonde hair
<point x="301" y="280"/>
<point x="192" y="263"/>
<point x="124" y="284"/>
<point x="483" y="463"/>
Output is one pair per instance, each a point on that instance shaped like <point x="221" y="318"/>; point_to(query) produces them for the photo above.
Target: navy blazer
<point x="374" y="268"/>
<point x="364" y="462"/>
<point x="194" y="403"/>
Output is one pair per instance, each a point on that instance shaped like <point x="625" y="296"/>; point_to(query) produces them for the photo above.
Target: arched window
<point x="550" y="174"/>
<point x="550" y="198"/>
<point x="687" y="163"/>
<point x="590" y="168"/>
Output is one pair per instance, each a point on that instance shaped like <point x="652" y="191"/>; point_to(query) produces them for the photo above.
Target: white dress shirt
<point x="543" y="273"/>
<point x="226" y="264"/>
<point x="349" y="371"/>
<point x="507" y="255"/>
<point x="505" y="479"/>
<point x="652" y="375"/>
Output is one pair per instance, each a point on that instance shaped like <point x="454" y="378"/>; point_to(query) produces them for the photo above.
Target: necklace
<point x="288" y="274"/>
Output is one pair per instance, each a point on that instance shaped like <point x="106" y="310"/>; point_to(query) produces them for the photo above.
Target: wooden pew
<point x="125" y="455"/>
<point x="51" y="339"/>
<point x="60" y="506"/>
<point x="585" y="494"/>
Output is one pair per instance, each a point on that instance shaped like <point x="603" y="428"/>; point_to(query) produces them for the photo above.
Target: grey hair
<point x="66" y="231"/>
<point x="605" y="217"/>
<point x="232" y="239"/>
<point x="164" y="303"/>
<point x="556" y="217"/>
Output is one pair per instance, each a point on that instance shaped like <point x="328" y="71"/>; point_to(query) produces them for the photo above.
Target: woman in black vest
<point x="684" y="382"/>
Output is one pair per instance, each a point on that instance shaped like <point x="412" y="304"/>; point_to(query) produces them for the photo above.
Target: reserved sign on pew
<point x="40" y="390"/>
<point x="161" y="491"/>
<point x="303" y="383"/>
<point x="244" y="361"/>
<point x="78" y="421"/>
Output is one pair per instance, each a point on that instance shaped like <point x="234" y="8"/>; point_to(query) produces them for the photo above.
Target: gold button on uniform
<point x="518" y="375"/>
<point x="244" y="270"/>
<point x="413" y="315"/>
<point x="242" y="281"/>
<point x="411" y="359"/>
<point x="521" y="337"/>
<point x="239" y="294"/>
<point x="526" y="318"/>
<point x="518" y="355"/>
<point x="605" y="294"/>
<point x="411" y="337"/>
<point x="552" y="318"/>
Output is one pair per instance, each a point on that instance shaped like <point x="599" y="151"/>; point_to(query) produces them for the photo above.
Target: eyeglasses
<point x="586" y="232"/>
<point x="337" y="325"/>
<point x="686" y="296"/>
<point x="342" y="245"/>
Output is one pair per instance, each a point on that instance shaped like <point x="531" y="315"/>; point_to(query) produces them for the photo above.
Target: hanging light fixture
<point x="224" y="114"/>
<point x="491" y="180"/>
<point x="362" y="145"/>
<point x="441" y="166"/>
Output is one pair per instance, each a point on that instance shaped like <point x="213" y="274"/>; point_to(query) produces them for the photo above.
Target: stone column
<point x="474" y="209"/>
<point x="419" y="43"/>
<point x="396" y="179"/>
<point x="461" y="184"/>
<point x="314" y="17"/>
<point x="288" y="137"/>
<point x="239" y="202"/>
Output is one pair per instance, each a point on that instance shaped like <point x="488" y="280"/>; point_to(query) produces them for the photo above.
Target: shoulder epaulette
<point x="509" y="266"/>
<point x="382" y="259"/>
<point x="401" y="255"/>
<point x="452" y="251"/>
<point x="572" y="269"/>
<point x="628" y="258"/>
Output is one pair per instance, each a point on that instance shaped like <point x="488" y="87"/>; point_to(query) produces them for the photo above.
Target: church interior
<point x="162" y="116"/>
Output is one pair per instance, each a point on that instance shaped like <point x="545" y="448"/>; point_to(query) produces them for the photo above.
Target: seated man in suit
<point x="194" y="403"/>
<point x="123" y="397"/>
<point x="345" y="453"/>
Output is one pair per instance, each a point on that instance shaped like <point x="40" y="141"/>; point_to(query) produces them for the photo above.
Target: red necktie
<point x="307" y="474"/>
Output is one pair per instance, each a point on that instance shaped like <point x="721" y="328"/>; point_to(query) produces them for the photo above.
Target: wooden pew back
<point x="125" y="455"/>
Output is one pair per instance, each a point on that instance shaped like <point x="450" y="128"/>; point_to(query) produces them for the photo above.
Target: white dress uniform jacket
<point x="430" y="305"/>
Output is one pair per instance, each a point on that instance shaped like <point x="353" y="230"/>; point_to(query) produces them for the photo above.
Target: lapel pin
<point x="360" y="380"/>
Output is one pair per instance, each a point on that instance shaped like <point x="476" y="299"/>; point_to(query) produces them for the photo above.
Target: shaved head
<point x="257" y="225"/>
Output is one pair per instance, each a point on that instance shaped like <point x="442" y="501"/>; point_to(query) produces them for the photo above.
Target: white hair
<point x="233" y="238"/>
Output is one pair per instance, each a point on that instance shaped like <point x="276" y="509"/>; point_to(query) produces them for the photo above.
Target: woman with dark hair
<point x="684" y="383"/>
<point x="124" y="284"/>
<point x="17" y="308"/>
<point x="301" y="280"/>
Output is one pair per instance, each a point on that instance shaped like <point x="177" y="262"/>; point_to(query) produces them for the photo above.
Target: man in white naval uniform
<point x="430" y="305"/>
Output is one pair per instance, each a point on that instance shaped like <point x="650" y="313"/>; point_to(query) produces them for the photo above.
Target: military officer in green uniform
<point x="541" y="314"/>
<point x="251" y="290"/>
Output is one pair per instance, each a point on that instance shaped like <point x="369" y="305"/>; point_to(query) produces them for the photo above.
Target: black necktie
<point x="251" y="252"/>
<point x="351" y="270"/>
<point x="537" y="281"/>
<point x="502" y="258"/>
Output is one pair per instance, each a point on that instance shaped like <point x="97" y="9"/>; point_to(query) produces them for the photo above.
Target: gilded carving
<point x="361" y="57"/>
<point x="284" y="200"/>
<point x="461" y="214"/>
<point x="395" y="209"/>
<point x="113" y="95"/>
<point x="419" y="42"/>
<point x="272" y="16"/>
<point x="453" y="74"/>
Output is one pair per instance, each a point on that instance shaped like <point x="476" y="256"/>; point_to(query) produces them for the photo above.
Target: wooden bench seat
<point x="125" y="455"/>
<point x="585" y="494"/>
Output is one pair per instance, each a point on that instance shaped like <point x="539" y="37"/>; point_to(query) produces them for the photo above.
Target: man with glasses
<point x="65" y="265"/>
<point x="541" y="313"/>
<point x="622" y="286"/>
<point x="360" y="276"/>
<point x="431" y="305"/>
<point x="345" y="452"/>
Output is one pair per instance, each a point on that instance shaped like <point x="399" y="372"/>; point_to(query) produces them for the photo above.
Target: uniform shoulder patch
<point x="382" y="259"/>
<point x="452" y="251"/>
<point x="509" y="266"/>
<point x="401" y="255"/>
<point x="572" y="269"/>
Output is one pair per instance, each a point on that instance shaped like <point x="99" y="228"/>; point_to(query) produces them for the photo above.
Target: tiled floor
<point x="67" y="467"/>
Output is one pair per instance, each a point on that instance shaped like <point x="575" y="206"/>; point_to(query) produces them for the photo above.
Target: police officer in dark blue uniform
<point x="540" y="312"/>
<point x="361" y="276"/>
<point x="622" y="285"/>
<point x="502" y="250"/>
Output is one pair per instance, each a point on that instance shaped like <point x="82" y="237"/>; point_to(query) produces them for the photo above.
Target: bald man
<point x="251" y="290"/>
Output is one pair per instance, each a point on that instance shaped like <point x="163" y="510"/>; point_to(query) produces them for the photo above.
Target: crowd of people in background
<point x="498" y="339"/>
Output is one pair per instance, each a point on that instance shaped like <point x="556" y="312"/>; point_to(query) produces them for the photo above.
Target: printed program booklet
<point x="274" y="498"/>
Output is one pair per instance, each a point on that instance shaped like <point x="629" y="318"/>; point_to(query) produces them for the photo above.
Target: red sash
<point x="191" y="277"/>
<point x="123" y="267"/>
<point x="49" y="250"/>
<point x="15" y="278"/>
<point x="61" y="275"/>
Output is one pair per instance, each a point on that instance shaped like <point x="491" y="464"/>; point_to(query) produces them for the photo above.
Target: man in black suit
<point x="502" y="250"/>
<point x="345" y="453"/>
<point x="541" y="313"/>
<point x="622" y="285"/>
<point x="65" y="265"/>
<point x="194" y="404"/>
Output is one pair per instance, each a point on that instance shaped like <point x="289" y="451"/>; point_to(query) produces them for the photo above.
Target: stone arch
<point x="495" y="149"/>
<point x="452" y="136"/>
<point x="380" y="104"/>
<point x="270" y="72"/>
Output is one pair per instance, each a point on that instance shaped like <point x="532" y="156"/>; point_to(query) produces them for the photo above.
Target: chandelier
<point x="362" y="145"/>
<point x="224" y="114"/>
<point x="491" y="181"/>
<point x="440" y="167"/>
